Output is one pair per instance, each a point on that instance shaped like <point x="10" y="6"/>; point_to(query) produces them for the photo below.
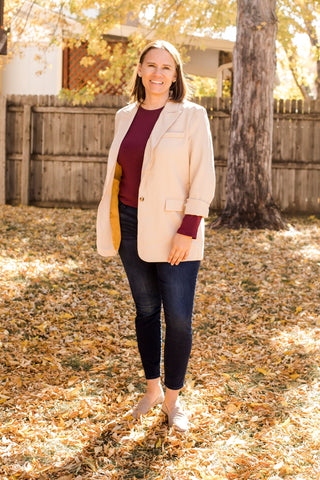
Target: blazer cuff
<point x="197" y="207"/>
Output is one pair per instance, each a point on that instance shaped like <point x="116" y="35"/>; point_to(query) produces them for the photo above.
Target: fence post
<point x="3" y="118"/>
<point x="26" y="149"/>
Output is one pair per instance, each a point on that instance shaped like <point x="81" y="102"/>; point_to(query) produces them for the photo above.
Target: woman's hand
<point x="180" y="248"/>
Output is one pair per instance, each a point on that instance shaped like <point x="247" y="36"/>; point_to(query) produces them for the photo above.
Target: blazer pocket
<point x="174" y="135"/>
<point x="174" y="205"/>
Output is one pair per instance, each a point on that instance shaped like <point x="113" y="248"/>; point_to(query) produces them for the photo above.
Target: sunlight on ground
<point x="31" y="269"/>
<point x="311" y="251"/>
<point x="297" y="337"/>
<point x="70" y="370"/>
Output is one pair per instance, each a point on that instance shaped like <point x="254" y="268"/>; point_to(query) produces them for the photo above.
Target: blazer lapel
<point x="167" y="117"/>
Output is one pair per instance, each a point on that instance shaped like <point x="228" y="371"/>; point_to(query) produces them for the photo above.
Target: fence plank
<point x="3" y="162"/>
<point x="63" y="150"/>
<point x="26" y="150"/>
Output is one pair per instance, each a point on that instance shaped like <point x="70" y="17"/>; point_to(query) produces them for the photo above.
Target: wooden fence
<point x="54" y="154"/>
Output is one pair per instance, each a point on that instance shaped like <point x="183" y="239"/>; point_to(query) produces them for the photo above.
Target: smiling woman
<point x="157" y="72"/>
<point x="162" y="60"/>
<point x="159" y="186"/>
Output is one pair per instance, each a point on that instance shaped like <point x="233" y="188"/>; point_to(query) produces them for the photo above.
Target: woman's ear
<point x="139" y="70"/>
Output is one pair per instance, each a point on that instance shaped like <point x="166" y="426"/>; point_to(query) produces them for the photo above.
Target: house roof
<point x="203" y="52"/>
<point x="196" y="41"/>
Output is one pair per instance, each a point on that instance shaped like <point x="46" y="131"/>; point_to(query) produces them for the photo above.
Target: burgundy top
<point x="130" y="158"/>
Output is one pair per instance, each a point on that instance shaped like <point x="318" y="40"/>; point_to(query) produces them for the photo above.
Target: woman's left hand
<point x="180" y="248"/>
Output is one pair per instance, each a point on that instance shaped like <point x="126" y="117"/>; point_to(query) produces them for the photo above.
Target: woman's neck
<point x="154" y="103"/>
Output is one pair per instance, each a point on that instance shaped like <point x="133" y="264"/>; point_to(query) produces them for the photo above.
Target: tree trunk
<point x="249" y="200"/>
<point x="318" y="77"/>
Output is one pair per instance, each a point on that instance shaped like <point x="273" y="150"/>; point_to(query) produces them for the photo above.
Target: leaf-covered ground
<point x="69" y="368"/>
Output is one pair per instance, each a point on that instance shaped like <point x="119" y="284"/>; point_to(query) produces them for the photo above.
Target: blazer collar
<point x="167" y="117"/>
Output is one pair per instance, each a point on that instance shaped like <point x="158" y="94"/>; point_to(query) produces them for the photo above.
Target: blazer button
<point x="141" y="199"/>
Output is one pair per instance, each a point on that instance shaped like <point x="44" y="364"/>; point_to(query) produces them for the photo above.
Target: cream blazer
<point x="177" y="178"/>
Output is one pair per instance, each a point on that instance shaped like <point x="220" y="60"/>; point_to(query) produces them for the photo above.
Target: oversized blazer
<point x="177" y="178"/>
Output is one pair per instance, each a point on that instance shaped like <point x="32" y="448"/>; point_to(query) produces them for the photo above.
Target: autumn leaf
<point x="70" y="370"/>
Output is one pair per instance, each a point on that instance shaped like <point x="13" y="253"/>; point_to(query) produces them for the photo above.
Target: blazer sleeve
<point x="201" y="164"/>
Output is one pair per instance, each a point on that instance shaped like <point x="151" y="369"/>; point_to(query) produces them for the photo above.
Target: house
<point x="35" y="66"/>
<point x="44" y="69"/>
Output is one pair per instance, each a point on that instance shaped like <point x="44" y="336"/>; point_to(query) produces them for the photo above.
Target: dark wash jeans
<point x="153" y="285"/>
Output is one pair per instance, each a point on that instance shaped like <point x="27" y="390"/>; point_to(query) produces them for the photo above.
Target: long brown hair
<point x="178" y="89"/>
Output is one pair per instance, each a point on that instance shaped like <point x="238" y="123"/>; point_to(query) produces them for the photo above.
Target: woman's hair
<point x="178" y="89"/>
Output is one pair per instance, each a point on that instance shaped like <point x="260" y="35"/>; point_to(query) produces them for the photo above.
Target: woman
<point x="159" y="185"/>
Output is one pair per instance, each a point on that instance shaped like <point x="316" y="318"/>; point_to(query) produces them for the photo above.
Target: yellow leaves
<point x="232" y="408"/>
<point x="286" y="470"/>
<point x="87" y="342"/>
<point x="80" y="410"/>
<point x="285" y="423"/>
<point x="4" y="398"/>
<point x="113" y="292"/>
<point x="131" y="388"/>
<point x="298" y="309"/>
<point x="102" y="328"/>
<point x="258" y="406"/>
<point x="263" y="371"/>
<point x="90" y="462"/>
<point x="70" y="369"/>
<point x="72" y="381"/>
<point x="87" y="61"/>
<point x="66" y="316"/>
<point x="43" y="326"/>
<point x="17" y="380"/>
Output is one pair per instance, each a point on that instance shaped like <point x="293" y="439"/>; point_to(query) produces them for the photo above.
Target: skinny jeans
<point x="156" y="284"/>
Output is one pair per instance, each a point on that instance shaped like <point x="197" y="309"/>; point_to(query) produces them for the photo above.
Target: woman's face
<point x="158" y="71"/>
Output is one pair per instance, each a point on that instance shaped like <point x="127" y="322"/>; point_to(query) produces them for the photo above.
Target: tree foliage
<point x="300" y="17"/>
<point x="172" y="20"/>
